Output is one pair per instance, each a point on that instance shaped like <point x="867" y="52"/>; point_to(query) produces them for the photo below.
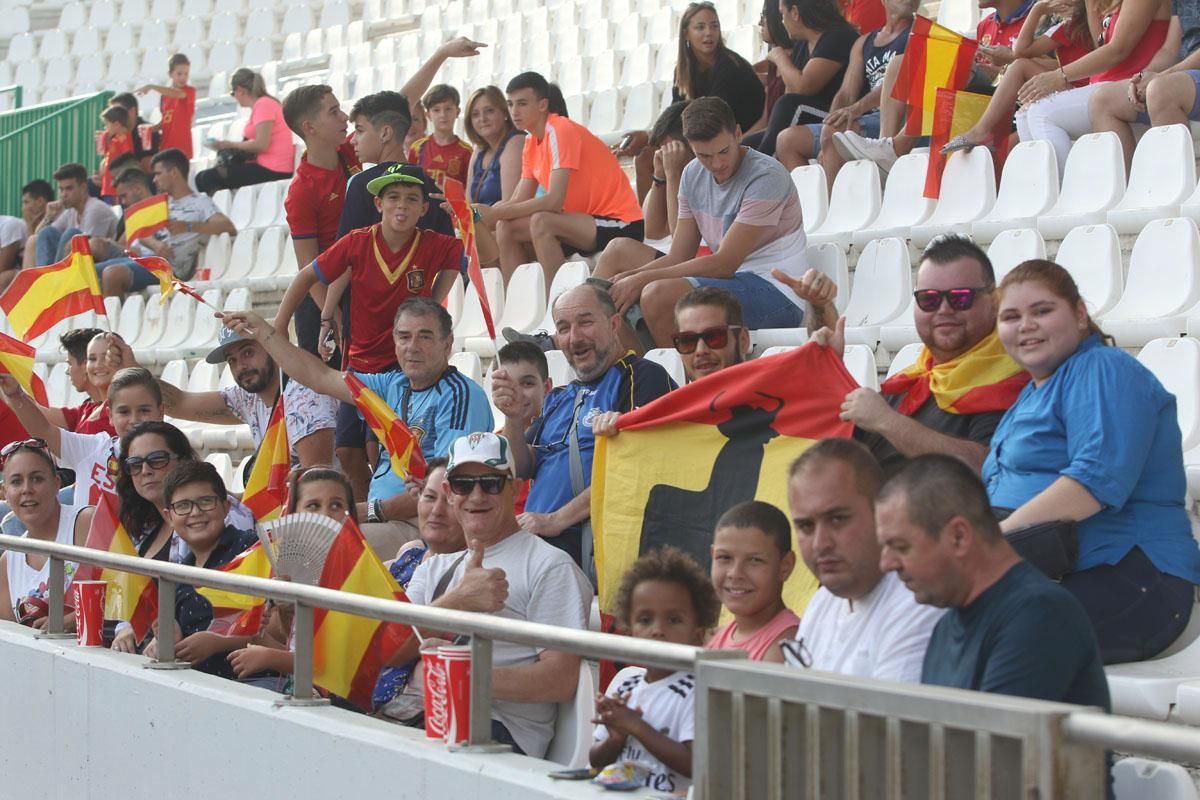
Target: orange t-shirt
<point x="121" y="143"/>
<point x="599" y="189"/>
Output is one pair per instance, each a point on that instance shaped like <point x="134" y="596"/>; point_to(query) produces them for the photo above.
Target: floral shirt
<point x="305" y="412"/>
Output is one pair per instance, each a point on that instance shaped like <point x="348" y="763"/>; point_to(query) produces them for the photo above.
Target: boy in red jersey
<point x="441" y="154"/>
<point x="177" y="104"/>
<point x="117" y="140"/>
<point x="388" y="263"/>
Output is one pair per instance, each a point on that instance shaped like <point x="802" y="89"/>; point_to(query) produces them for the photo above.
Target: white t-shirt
<point x="97" y="219"/>
<point x="195" y="207"/>
<point x="670" y="707"/>
<point x="94" y="457"/>
<point x="544" y="585"/>
<point x="305" y="412"/>
<point x="12" y="231"/>
<point x="883" y="636"/>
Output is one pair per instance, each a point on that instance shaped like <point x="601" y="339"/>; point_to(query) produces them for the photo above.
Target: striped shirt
<point x="760" y="193"/>
<point x="437" y="415"/>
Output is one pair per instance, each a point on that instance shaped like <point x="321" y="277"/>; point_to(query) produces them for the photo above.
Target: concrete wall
<point x="81" y="723"/>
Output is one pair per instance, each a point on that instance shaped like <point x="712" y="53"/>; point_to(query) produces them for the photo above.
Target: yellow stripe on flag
<point x="144" y="219"/>
<point x="253" y="562"/>
<point x="40" y="297"/>
<point x="16" y="359"/>
<point x="266" y="487"/>
<point x="341" y="643"/>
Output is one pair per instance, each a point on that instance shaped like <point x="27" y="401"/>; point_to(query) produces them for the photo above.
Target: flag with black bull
<point x="682" y="461"/>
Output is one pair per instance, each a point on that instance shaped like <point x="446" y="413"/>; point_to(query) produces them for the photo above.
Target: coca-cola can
<point x="89" y="612"/>
<point x="101" y="142"/>
<point x="433" y="676"/>
<point x="146" y="132"/>
<point x="457" y="664"/>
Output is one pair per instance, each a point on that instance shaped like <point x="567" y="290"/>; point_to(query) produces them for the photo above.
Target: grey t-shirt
<point x="1188" y="12"/>
<point x="97" y="219"/>
<point x="544" y="585"/>
<point x="185" y="247"/>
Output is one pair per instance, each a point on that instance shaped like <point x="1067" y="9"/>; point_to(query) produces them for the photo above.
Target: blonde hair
<point x="251" y="81"/>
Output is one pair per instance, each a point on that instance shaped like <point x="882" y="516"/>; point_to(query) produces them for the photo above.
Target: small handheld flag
<point x="41" y="297"/>
<point x="144" y="219"/>
<point x="239" y="614"/>
<point x="16" y="359"/>
<point x="130" y="597"/>
<point x="935" y="58"/>
<point x="266" y="488"/>
<point x="161" y="269"/>
<point x="402" y="445"/>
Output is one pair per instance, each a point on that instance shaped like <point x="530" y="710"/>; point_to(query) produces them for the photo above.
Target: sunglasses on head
<point x="714" y="338"/>
<point x="24" y="444"/>
<point x="463" y="485"/>
<point x="156" y="461"/>
<point x="959" y="299"/>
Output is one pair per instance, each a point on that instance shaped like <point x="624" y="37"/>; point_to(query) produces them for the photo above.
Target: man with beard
<point x="309" y="416"/>
<point x="556" y="450"/>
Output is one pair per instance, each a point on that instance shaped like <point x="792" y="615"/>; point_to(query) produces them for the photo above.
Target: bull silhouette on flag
<point x="683" y="460"/>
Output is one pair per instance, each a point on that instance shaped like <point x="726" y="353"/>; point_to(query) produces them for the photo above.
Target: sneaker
<point x="540" y="338"/>
<point x="853" y="147"/>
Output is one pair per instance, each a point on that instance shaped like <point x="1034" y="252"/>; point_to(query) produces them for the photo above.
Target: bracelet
<point x="1066" y="80"/>
<point x="658" y="181"/>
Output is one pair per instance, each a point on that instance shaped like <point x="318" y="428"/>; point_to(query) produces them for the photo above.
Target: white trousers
<point x="1059" y="119"/>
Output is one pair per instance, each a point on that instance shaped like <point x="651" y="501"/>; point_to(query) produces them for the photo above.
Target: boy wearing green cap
<point x="388" y="263"/>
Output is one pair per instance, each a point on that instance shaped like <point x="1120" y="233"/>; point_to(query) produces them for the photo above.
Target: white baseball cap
<point x="484" y="447"/>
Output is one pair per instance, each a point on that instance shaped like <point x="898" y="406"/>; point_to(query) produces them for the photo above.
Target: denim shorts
<point x="868" y="126"/>
<point x="142" y="277"/>
<point x="763" y="304"/>
<point x="1194" y="114"/>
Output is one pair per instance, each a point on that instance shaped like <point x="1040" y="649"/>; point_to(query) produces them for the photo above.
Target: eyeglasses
<point x="24" y="444"/>
<point x="184" y="507"/>
<point x="463" y="485"/>
<point x="959" y="299"/>
<point x="714" y="338"/>
<point x="156" y="461"/>
<point x="796" y="653"/>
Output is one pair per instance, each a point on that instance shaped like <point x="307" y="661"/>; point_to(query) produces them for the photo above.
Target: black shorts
<point x="608" y="229"/>
<point x="351" y="430"/>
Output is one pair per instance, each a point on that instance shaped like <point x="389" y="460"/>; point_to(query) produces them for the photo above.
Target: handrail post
<point x="55" y="627"/>
<point x="715" y="734"/>
<point x="302" y="669"/>
<point x="479" y="733"/>
<point x="165" y="638"/>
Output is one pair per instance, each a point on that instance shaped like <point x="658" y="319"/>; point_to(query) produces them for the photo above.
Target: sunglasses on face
<point x="959" y="299"/>
<point x="714" y="338"/>
<point x="463" y="485"/>
<point x="25" y="444"/>
<point x="184" y="507"/>
<point x="155" y="461"/>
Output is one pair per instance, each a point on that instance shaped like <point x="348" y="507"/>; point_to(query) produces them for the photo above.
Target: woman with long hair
<point x="705" y="67"/>
<point x="266" y="152"/>
<point x="495" y="167"/>
<point x="1094" y="440"/>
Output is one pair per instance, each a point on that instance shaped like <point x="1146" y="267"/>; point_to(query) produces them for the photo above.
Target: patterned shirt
<point x="305" y="412"/>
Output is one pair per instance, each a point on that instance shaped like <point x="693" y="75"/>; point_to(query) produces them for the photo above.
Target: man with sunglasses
<point x="952" y="398"/>
<point x="710" y="333"/>
<point x="543" y="585"/>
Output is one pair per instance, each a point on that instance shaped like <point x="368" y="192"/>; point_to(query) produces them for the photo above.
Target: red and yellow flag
<point x="402" y="445"/>
<point x="161" y="269"/>
<point x="350" y="651"/>
<point x="144" y="219"/>
<point x="955" y="113"/>
<point x="935" y="58"/>
<point x="16" y="359"/>
<point x="985" y="378"/>
<point x="129" y="597"/>
<point x="266" y="488"/>
<point x="464" y="222"/>
<point x="682" y="461"/>
<point x="40" y="297"/>
<point x="239" y="614"/>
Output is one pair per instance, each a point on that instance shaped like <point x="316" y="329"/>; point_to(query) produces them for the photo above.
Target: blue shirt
<point x="485" y="183"/>
<point x="437" y="415"/>
<point x="1024" y="636"/>
<point x="1105" y="421"/>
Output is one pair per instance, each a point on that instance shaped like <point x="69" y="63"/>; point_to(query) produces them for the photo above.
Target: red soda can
<point x="89" y="612"/>
<point x="146" y="132"/>
<point x="433" y="675"/>
<point x="457" y="664"/>
<point x="101" y="141"/>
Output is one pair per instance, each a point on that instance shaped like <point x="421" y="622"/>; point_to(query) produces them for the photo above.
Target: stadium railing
<point x="17" y="95"/>
<point x="37" y="140"/>
<point x="762" y="731"/>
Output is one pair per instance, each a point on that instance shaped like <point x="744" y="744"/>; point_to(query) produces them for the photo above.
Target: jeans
<point x="53" y="244"/>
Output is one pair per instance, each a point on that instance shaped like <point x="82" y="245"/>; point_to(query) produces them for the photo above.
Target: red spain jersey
<point x="176" y="125"/>
<point x="115" y="146"/>
<point x="441" y="161"/>
<point x="380" y="280"/>
<point x="315" y="198"/>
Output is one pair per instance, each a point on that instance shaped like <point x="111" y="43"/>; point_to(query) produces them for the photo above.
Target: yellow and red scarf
<point x="985" y="378"/>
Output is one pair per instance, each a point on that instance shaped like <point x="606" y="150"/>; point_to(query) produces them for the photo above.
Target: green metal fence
<point x="37" y="140"/>
<point x="14" y="92"/>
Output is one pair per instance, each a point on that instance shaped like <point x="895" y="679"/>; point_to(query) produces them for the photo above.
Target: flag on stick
<point x="161" y="269"/>
<point x="402" y="445"/>
<point x="266" y="488"/>
<point x="16" y="359"/>
<point x="464" y="221"/>
<point x="350" y="651"/>
<point x="130" y="597"/>
<point x="935" y="58"/>
<point x="40" y="297"/>
<point x="144" y="219"/>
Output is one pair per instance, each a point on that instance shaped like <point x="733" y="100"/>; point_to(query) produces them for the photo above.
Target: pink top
<point x="756" y="646"/>
<point x="280" y="154"/>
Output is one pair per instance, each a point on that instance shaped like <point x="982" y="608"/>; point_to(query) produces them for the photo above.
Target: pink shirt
<point x="280" y="154"/>
<point x="756" y="646"/>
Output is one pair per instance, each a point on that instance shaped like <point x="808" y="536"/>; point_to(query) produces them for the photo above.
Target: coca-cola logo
<point x="436" y="705"/>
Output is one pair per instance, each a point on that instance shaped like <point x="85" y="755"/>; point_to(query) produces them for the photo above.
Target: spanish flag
<point x="40" y="297"/>
<point x="144" y="219"/>
<point x="16" y="359"/>
<point x="266" y="488"/>
<point x="682" y="461"/>
<point x="464" y="222"/>
<point x="350" y="651"/>
<point x="129" y="597"/>
<point x="956" y="113"/>
<point x="159" y="267"/>
<point x="985" y="378"/>
<point x="239" y="614"/>
<point x="402" y="446"/>
<point x="935" y="58"/>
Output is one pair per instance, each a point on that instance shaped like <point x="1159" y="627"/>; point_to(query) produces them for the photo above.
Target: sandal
<point x="958" y="143"/>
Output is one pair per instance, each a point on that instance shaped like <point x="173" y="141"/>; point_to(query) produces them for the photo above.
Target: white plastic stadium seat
<point x="573" y="729"/>
<point x="813" y="189"/>
<point x="1162" y="286"/>
<point x="829" y="259"/>
<point x="860" y="362"/>
<point x="968" y="193"/>
<point x="241" y="210"/>
<point x="1176" y="364"/>
<point x="527" y="307"/>
<point x="1162" y="177"/>
<point x="468" y="364"/>
<point x="561" y="372"/>
<point x="181" y="313"/>
<point x="203" y="335"/>
<point x="1151" y="689"/>
<point x="669" y="359"/>
<point x="472" y="323"/>
<point x="1093" y="182"/>
<point x="129" y="325"/>
<point x="905" y="358"/>
<point x="853" y="204"/>
<point x="1028" y="188"/>
<point x="223" y="464"/>
<point x="882" y="289"/>
<point x="1142" y="779"/>
<point x="58" y="385"/>
<point x="1092" y="254"/>
<point x="1012" y="247"/>
<point x="904" y="203"/>
<point x="569" y="275"/>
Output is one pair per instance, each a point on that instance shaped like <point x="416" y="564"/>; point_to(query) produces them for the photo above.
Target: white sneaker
<point x="853" y="147"/>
